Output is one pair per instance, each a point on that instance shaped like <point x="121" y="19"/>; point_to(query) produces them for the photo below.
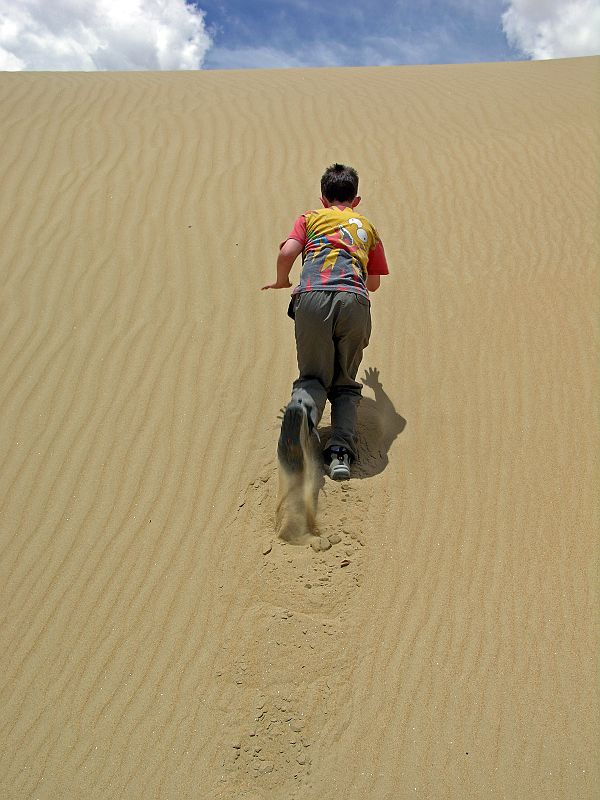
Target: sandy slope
<point x="150" y="648"/>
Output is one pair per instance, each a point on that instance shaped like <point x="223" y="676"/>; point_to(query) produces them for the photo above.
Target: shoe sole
<point x="289" y="448"/>
<point x="339" y="473"/>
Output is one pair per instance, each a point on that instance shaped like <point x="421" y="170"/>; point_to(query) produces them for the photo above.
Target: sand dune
<point x="158" y="640"/>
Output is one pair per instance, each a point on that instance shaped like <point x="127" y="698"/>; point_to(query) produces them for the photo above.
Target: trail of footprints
<point x="304" y="595"/>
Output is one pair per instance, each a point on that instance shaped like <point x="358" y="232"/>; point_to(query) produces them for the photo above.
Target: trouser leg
<point x="344" y="407"/>
<point x="351" y="333"/>
<point x="314" y="347"/>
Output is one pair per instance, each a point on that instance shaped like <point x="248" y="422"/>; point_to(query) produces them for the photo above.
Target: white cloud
<point x="101" y="35"/>
<point x="553" y="28"/>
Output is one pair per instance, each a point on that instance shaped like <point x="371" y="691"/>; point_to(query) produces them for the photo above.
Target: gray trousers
<point x="332" y="330"/>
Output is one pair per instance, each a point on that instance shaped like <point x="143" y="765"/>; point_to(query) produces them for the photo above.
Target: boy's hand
<point x="288" y="253"/>
<point x="278" y="285"/>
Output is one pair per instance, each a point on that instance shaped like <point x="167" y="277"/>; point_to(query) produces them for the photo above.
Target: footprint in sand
<point x="274" y="747"/>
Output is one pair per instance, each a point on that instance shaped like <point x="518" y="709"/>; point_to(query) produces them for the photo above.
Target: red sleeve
<point x="298" y="232"/>
<point x="377" y="265"/>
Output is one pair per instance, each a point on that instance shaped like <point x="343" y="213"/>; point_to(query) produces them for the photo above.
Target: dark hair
<point x="339" y="183"/>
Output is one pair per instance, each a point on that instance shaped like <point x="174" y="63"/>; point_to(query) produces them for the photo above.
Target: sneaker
<point x="339" y="466"/>
<point x="294" y="428"/>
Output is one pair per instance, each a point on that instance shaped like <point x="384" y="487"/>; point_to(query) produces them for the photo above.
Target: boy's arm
<point x="376" y="267"/>
<point x="373" y="282"/>
<point x="289" y="252"/>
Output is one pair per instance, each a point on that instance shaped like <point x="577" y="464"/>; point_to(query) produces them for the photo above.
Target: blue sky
<point x="271" y="33"/>
<point x="233" y="34"/>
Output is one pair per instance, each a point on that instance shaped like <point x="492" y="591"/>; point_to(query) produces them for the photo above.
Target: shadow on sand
<point x="377" y="426"/>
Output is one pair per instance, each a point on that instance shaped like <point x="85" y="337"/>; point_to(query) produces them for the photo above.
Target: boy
<point x="342" y="261"/>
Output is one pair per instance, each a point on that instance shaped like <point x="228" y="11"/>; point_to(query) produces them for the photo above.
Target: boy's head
<point x="339" y="184"/>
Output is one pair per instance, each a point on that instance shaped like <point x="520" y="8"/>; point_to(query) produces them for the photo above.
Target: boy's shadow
<point x="377" y="425"/>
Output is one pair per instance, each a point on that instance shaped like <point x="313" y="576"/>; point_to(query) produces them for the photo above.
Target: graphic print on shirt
<point x="338" y="248"/>
<point x="360" y="231"/>
<point x="343" y="237"/>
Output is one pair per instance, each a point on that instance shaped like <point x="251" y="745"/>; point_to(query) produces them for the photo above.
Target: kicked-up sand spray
<point x="299" y="474"/>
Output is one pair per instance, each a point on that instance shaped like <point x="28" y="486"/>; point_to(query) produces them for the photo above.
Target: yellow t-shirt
<point x="340" y="248"/>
